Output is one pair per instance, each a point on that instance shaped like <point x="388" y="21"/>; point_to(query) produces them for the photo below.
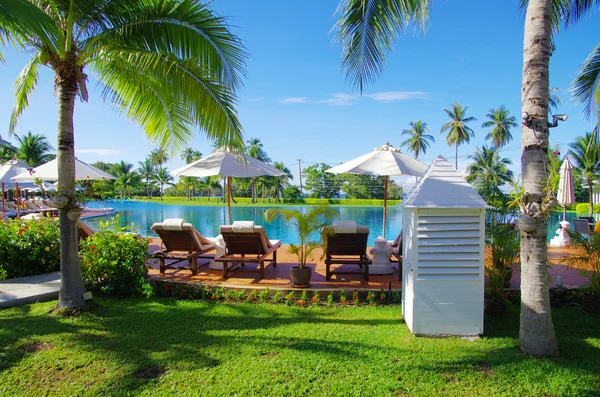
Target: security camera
<point x="561" y="117"/>
<point x="525" y="116"/>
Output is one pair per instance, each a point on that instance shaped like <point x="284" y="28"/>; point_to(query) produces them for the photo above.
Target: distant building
<point x="6" y="143"/>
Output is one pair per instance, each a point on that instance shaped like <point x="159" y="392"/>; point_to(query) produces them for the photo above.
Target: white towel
<point x="243" y="227"/>
<point x="344" y="226"/>
<point x="173" y="224"/>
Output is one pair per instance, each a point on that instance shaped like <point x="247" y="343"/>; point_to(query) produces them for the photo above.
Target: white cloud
<point x="340" y="99"/>
<point x="390" y="96"/>
<point x="99" y="152"/>
<point x="294" y="99"/>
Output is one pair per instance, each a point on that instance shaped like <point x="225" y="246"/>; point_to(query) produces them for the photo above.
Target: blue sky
<point x="297" y="101"/>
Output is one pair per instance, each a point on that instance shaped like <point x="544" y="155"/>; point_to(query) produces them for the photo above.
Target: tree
<point x="34" y="149"/>
<point x="6" y="153"/>
<point x="281" y="182"/>
<point x="147" y="172"/>
<point x="163" y="177"/>
<point x="320" y="183"/>
<point x="291" y="192"/>
<point x="488" y="172"/>
<point x="254" y="149"/>
<point x="501" y="122"/>
<point x="418" y="140"/>
<point x="127" y="178"/>
<point x="585" y="153"/>
<point x="159" y="157"/>
<point x="458" y="131"/>
<point x="171" y="66"/>
<point x="190" y="155"/>
<point x="586" y="87"/>
<point x="362" y="186"/>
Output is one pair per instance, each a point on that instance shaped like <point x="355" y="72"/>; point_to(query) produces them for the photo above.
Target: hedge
<point x="584" y="208"/>
<point x="299" y="201"/>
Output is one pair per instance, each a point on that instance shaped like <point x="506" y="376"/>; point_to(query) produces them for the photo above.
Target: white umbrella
<point x="225" y="162"/>
<point x="7" y="171"/>
<point x="49" y="172"/>
<point x="385" y="161"/>
<point x="566" y="193"/>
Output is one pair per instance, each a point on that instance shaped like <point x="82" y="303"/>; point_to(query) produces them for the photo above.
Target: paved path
<point x="20" y="291"/>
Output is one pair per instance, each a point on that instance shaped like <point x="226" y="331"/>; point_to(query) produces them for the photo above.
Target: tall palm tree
<point x="418" y="140"/>
<point x="34" y="149"/>
<point x="171" y="66"/>
<point x="586" y="87"/>
<point x="488" y="172"/>
<point x="147" y="171"/>
<point x="159" y="157"/>
<point x="458" y="131"/>
<point x="6" y="153"/>
<point x="585" y="153"/>
<point x="501" y="122"/>
<point x="281" y="182"/>
<point x="163" y="177"/>
<point x="190" y="155"/>
<point x="254" y="149"/>
<point x="367" y="30"/>
<point x="127" y="178"/>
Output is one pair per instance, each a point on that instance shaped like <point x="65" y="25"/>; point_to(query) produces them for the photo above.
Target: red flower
<point x="302" y="303"/>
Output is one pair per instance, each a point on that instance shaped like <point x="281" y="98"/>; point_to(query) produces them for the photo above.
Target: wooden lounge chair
<point x="346" y="245"/>
<point x="246" y="243"/>
<point x="396" y="247"/>
<point x="182" y="242"/>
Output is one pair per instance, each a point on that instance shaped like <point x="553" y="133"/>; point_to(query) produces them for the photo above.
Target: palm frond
<point x="27" y="24"/>
<point x="586" y="87"/>
<point x="24" y="86"/>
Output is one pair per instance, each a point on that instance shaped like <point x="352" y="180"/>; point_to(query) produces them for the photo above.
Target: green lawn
<point x="169" y="347"/>
<point x="247" y="202"/>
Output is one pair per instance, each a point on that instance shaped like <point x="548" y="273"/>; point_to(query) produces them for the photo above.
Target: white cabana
<point x="443" y="254"/>
<point x="384" y="161"/>
<point x="225" y="162"/>
<point x="49" y="172"/>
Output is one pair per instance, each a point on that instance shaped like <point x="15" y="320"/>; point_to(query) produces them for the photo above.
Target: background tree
<point x="418" y="140"/>
<point x="172" y="67"/>
<point x="190" y="155"/>
<point x="586" y="87"/>
<point x="163" y="177"/>
<point x="458" y="131"/>
<point x="159" y="157"/>
<point x="320" y="183"/>
<point x="585" y="154"/>
<point x="147" y="171"/>
<point x="281" y="182"/>
<point x="488" y="173"/>
<point x="127" y="178"/>
<point x="501" y="122"/>
<point x="34" y="149"/>
<point x="254" y="149"/>
<point x="6" y="153"/>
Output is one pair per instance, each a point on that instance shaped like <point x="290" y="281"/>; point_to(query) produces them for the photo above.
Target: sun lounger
<point x="247" y="243"/>
<point x="182" y="242"/>
<point x="346" y="244"/>
<point x="396" y="247"/>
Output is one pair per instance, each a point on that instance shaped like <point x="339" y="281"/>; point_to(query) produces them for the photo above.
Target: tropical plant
<point x="281" y="182"/>
<point x="163" y="177"/>
<point x="488" y="172"/>
<point x="147" y="172"/>
<point x="254" y="149"/>
<point x="159" y="157"/>
<point x="501" y="122"/>
<point x="190" y="155"/>
<point x="127" y="178"/>
<point x="418" y="140"/>
<point x="458" y="131"/>
<point x="34" y="149"/>
<point x="306" y="224"/>
<point x="554" y="99"/>
<point x="172" y="66"/>
<point x="586" y="87"/>
<point x="6" y="153"/>
<point x="585" y="153"/>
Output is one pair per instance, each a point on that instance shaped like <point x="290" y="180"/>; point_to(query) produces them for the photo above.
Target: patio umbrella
<point x="566" y="193"/>
<point x="7" y="171"/>
<point x="385" y="161"/>
<point x="225" y="162"/>
<point x="49" y="172"/>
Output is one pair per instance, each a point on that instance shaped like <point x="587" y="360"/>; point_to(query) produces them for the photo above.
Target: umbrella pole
<point x="3" y="211"/>
<point x="18" y="201"/>
<point x="565" y="213"/>
<point x="385" y="187"/>
<point x="229" y="200"/>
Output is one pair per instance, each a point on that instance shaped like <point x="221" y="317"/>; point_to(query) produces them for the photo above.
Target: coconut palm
<point x="127" y="178"/>
<point x="159" y="157"/>
<point x="585" y="154"/>
<point x="367" y="30"/>
<point x="488" y="172"/>
<point x="34" y="149"/>
<point x="6" y="153"/>
<point x="172" y="66"/>
<point x="554" y="99"/>
<point x="163" y="177"/>
<point x="586" y="87"/>
<point x="190" y="155"/>
<point x="147" y="171"/>
<point x="254" y="149"/>
<point x="418" y="140"/>
<point x="501" y="122"/>
<point x="458" y="131"/>
<point x="281" y="182"/>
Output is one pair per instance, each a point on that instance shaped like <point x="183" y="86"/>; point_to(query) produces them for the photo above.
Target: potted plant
<point x="587" y="258"/>
<point x="503" y="246"/>
<point x="495" y="301"/>
<point x="306" y="224"/>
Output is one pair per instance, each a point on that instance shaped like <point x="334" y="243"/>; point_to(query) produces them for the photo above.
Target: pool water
<point x="208" y="219"/>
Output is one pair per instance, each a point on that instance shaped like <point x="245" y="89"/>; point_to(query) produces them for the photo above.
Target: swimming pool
<point x="208" y="219"/>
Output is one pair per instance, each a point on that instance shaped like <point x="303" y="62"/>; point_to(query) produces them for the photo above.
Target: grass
<point x="168" y="347"/>
<point x="246" y="202"/>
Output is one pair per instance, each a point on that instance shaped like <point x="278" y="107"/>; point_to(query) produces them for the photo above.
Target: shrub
<point x="263" y="296"/>
<point x="584" y="208"/>
<point x="114" y="262"/>
<point x="28" y="248"/>
<point x="277" y="297"/>
<point x="330" y="299"/>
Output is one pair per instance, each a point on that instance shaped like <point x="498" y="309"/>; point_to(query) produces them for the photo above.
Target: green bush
<point x="113" y="262"/>
<point x="28" y="248"/>
<point x="584" y="208"/>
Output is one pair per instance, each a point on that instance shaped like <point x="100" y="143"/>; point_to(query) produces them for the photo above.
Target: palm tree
<point x="171" y="66"/>
<point x="367" y="30"/>
<point x="488" y="172"/>
<point x="554" y="99"/>
<point x="585" y="153"/>
<point x="281" y="182"/>
<point x="147" y="171"/>
<point x="127" y="178"/>
<point x="211" y="184"/>
<point x="34" y="149"/>
<point x="6" y="153"/>
<point x="458" y="131"/>
<point x="190" y="155"/>
<point x="163" y="177"/>
<point x="586" y="87"/>
<point x="159" y="157"/>
<point x="501" y="122"/>
<point x="254" y="149"/>
<point x="418" y="140"/>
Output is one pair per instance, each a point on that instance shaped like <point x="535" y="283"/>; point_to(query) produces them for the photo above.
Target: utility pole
<point x="300" y="174"/>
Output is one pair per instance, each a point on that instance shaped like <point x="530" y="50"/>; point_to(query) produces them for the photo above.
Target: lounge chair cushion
<point x="266" y="243"/>
<point x="344" y="226"/>
<point x="173" y="224"/>
<point x="243" y="227"/>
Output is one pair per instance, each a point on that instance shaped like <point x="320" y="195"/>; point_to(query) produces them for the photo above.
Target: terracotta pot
<point x="495" y="308"/>
<point x="591" y="304"/>
<point x="300" y="276"/>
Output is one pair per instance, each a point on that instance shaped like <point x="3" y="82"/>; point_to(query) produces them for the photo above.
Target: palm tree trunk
<point x="590" y="182"/>
<point x="148" y="188"/>
<point x="161" y="191"/>
<point x="71" y="283"/>
<point x="456" y="158"/>
<point x="253" y="190"/>
<point x="416" y="154"/>
<point x="536" y="333"/>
